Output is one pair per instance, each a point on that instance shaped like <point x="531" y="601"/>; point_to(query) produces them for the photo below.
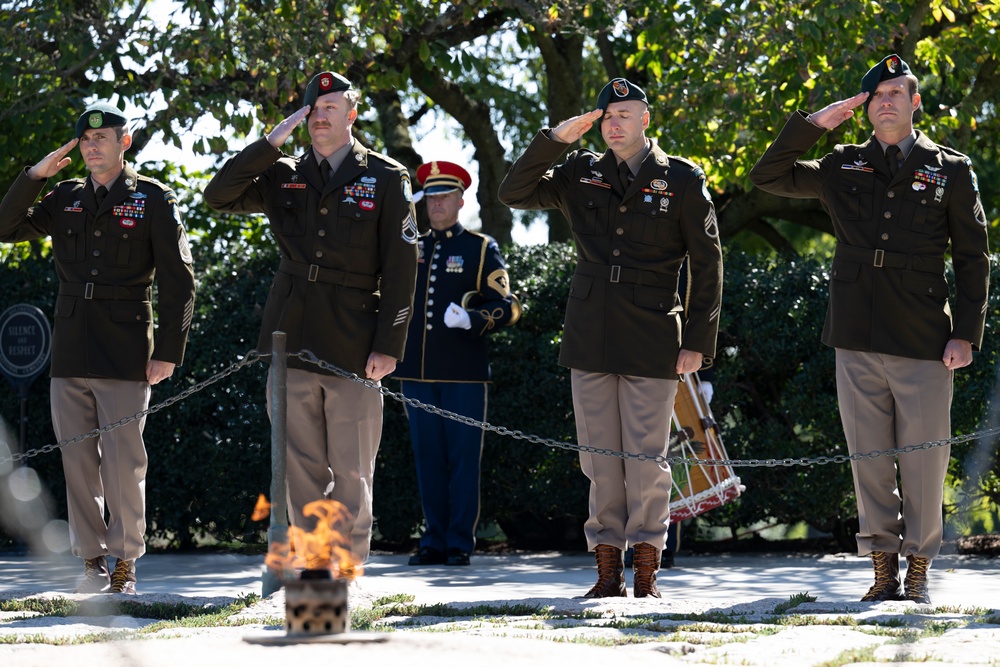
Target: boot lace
<point x="608" y="569"/>
<point x="645" y="563"/>
<point x="119" y="578"/>
<point x="915" y="582"/>
<point x="886" y="579"/>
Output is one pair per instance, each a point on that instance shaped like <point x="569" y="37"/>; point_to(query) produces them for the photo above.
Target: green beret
<point x="619" y="90"/>
<point x="323" y="83"/>
<point x="99" y="115"/>
<point x="889" y="67"/>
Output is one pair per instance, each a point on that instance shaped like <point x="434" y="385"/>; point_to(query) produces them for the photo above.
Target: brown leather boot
<point x="96" y="578"/>
<point x="645" y="563"/>
<point x="915" y="583"/>
<point x="123" y="577"/>
<point x="610" y="573"/>
<point x="886" y="586"/>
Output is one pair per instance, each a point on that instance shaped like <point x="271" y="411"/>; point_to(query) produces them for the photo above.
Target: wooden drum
<point x="698" y="488"/>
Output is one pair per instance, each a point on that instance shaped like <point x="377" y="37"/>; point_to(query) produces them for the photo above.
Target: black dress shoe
<point x="428" y="556"/>
<point x="457" y="557"/>
<point x="666" y="559"/>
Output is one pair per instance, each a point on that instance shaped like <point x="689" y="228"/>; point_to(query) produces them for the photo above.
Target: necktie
<point x="624" y="175"/>
<point x="892" y="159"/>
<point x="100" y="194"/>
<point x="324" y="170"/>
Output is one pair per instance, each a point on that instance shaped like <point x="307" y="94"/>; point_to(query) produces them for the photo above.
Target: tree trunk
<point x="563" y="57"/>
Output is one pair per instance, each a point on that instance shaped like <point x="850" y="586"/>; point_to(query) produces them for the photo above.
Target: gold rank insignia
<point x="499" y="281"/>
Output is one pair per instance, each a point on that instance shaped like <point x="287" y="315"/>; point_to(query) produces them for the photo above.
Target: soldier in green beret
<point x="899" y="203"/>
<point x="111" y="232"/>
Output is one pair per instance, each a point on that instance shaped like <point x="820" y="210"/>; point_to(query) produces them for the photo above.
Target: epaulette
<point x="488" y="238"/>
<point x="684" y="161"/>
<point x="152" y="181"/>
<point x="954" y="153"/>
<point x="388" y="160"/>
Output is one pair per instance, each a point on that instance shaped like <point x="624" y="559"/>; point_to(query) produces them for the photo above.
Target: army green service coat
<point x="888" y="290"/>
<point x="106" y="258"/>
<point x="344" y="287"/>
<point x="624" y="315"/>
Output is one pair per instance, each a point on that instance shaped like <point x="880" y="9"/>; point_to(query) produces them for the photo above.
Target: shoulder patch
<point x="404" y="183"/>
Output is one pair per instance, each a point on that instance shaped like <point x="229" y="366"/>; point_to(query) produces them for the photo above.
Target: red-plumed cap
<point x="440" y="177"/>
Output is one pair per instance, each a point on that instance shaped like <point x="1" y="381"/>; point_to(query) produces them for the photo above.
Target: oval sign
<point x="25" y="342"/>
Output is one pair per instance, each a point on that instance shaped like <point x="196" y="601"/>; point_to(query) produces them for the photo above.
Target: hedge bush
<point x="775" y="397"/>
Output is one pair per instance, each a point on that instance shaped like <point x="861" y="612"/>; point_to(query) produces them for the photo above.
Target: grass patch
<point x="89" y="638"/>
<point x="849" y="657"/>
<point x="792" y="602"/>
<point x="58" y="607"/>
<point x="62" y="607"/>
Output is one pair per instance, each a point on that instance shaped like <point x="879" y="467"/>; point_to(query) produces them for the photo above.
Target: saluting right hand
<point x="280" y="134"/>
<point x="52" y="163"/>
<point x="573" y="128"/>
<point x="834" y="114"/>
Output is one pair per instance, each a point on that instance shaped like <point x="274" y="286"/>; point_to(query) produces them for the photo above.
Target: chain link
<point x="309" y="357"/>
<point x="253" y="356"/>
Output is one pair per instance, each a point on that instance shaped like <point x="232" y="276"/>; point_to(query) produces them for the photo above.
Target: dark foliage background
<point x="775" y="397"/>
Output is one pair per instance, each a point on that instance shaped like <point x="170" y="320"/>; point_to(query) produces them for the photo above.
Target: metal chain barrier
<point x="254" y="356"/>
<point x="309" y="357"/>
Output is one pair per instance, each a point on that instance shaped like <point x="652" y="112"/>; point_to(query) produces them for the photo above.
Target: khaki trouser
<point x="334" y="429"/>
<point x="629" y="499"/>
<point x="108" y="472"/>
<point x="888" y="401"/>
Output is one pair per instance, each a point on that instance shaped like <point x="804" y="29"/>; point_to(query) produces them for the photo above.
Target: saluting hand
<point x="834" y="114"/>
<point x="572" y="129"/>
<point x="53" y="162"/>
<point x="283" y="130"/>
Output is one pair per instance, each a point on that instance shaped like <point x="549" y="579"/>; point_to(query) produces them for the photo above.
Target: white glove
<point x="457" y="317"/>
<point x="707" y="391"/>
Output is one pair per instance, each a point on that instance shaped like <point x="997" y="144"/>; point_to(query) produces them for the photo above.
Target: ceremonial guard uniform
<point x="889" y="315"/>
<point x="634" y="219"/>
<point x="106" y="255"/>
<point x="343" y="290"/>
<point x="460" y="273"/>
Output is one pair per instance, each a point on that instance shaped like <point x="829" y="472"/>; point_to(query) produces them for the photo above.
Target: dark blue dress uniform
<point x="449" y="368"/>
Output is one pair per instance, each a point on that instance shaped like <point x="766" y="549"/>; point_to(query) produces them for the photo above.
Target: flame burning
<point x="323" y="548"/>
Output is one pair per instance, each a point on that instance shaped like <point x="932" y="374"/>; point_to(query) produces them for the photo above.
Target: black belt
<point x="112" y="292"/>
<point x="891" y="260"/>
<point x="315" y="273"/>
<point x="622" y="274"/>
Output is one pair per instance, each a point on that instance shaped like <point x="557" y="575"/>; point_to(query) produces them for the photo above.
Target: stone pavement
<point x="720" y="610"/>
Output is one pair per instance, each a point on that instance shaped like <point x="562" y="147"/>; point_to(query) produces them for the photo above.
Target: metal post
<point x="22" y="444"/>
<point x="278" y="531"/>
